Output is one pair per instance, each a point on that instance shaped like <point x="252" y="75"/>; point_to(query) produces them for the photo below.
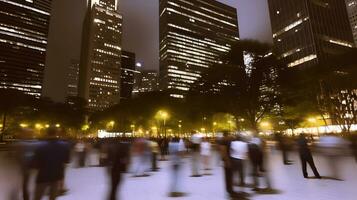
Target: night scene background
<point x="186" y="99"/>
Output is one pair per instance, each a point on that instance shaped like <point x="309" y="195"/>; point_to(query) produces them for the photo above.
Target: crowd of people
<point x="239" y="155"/>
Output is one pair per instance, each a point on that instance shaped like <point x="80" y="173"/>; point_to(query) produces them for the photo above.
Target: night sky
<point x="140" y="34"/>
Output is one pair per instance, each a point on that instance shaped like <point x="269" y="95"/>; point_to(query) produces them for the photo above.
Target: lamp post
<point x="133" y="129"/>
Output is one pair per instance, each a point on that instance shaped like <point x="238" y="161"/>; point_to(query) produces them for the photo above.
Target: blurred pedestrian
<point x="206" y="153"/>
<point x="118" y="160"/>
<point x="284" y="147"/>
<point x="257" y="158"/>
<point x="333" y="147"/>
<point x="354" y="145"/>
<point x="81" y="151"/>
<point x="176" y="152"/>
<point x="26" y="151"/>
<point x="154" y="153"/>
<point x="239" y="154"/>
<point x="225" y="150"/>
<point x="139" y="157"/>
<point x="50" y="159"/>
<point x="306" y="156"/>
<point x="196" y="140"/>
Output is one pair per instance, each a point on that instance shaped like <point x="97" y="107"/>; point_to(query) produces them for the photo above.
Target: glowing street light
<point x="58" y="125"/>
<point x="312" y="120"/>
<point x="47" y="126"/>
<point x="38" y="126"/>
<point x="23" y="125"/>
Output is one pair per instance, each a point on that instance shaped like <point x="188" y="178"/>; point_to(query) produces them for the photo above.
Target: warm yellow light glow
<point x="312" y="120"/>
<point x="214" y="123"/>
<point x="265" y="124"/>
<point x="22" y="125"/>
<point x="58" y="125"/>
<point x="47" y="125"/>
<point x="38" y="126"/>
<point x="85" y="127"/>
<point x="132" y="126"/>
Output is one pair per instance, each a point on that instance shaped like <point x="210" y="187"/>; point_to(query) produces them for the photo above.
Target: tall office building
<point x="146" y="81"/>
<point x="194" y="34"/>
<point x="23" y="41"/>
<point x="128" y="73"/>
<point x="72" y="79"/>
<point x="101" y="55"/>
<point x="352" y="13"/>
<point x="306" y="32"/>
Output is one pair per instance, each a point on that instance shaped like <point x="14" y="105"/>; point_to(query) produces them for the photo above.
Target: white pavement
<point x="92" y="183"/>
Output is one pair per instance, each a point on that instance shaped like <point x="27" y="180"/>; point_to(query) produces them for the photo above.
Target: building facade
<point x="128" y="74"/>
<point x="23" y="41"/>
<point x="73" y="79"/>
<point x="193" y="36"/>
<point x="146" y="81"/>
<point x="352" y="13"/>
<point x="306" y="32"/>
<point x="101" y="55"/>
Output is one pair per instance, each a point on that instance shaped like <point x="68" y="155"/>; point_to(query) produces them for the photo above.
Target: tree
<point x="9" y="101"/>
<point x="248" y="88"/>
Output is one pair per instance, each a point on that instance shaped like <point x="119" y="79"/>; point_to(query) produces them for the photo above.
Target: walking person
<point x="118" y="160"/>
<point x="239" y="154"/>
<point x="25" y="153"/>
<point x="206" y="154"/>
<point x="176" y="152"/>
<point x="154" y="154"/>
<point x="50" y="159"/>
<point x="257" y="156"/>
<point x="225" y="151"/>
<point x="196" y="140"/>
<point x="284" y="147"/>
<point x="306" y="157"/>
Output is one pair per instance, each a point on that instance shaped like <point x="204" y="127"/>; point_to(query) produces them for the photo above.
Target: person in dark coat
<point x="118" y="159"/>
<point x="50" y="159"/>
<point x="282" y="142"/>
<point x="306" y="156"/>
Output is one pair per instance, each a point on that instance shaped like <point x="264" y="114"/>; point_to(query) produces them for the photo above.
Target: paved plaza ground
<point x="91" y="183"/>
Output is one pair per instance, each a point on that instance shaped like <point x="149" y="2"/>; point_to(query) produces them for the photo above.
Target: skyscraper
<point x="72" y="79"/>
<point x="23" y="42"/>
<point x="193" y="36"/>
<point x="101" y="55"/>
<point x="128" y="73"/>
<point x="352" y="13"/>
<point x="306" y="32"/>
<point x="146" y="81"/>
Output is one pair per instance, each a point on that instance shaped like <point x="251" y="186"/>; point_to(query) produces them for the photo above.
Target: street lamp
<point x="133" y="129"/>
<point x="58" y="125"/>
<point x="23" y="125"/>
<point x="164" y="116"/>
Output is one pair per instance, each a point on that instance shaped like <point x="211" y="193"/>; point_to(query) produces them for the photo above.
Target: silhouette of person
<point x="306" y="156"/>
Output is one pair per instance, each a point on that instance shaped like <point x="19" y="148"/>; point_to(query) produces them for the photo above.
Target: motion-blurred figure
<point x="206" y="153"/>
<point x="332" y="147"/>
<point x="139" y="157"/>
<point x="239" y="154"/>
<point x="26" y="152"/>
<point x="50" y="159"/>
<point x="284" y="147"/>
<point x="154" y="153"/>
<point x="256" y="155"/>
<point x="354" y="145"/>
<point x="225" y="149"/>
<point x="118" y="159"/>
<point x="175" y="150"/>
<point x="196" y="140"/>
<point x="306" y="156"/>
<point x="81" y="151"/>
